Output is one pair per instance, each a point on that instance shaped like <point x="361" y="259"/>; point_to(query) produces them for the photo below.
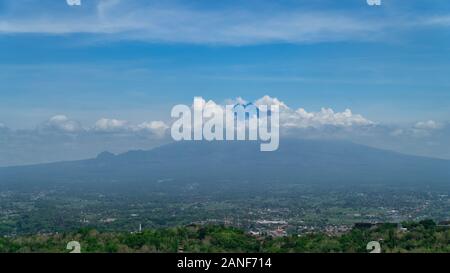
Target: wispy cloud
<point x="175" y="21"/>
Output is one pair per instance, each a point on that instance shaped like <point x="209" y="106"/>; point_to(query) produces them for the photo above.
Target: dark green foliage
<point x="424" y="236"/>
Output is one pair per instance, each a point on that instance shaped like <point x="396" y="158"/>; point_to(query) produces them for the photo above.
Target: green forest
<point x="424" y="236"/>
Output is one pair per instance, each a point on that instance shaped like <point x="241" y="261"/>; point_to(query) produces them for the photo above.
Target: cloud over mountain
<point x="61" y="138"/>
<point x="62" y="123"/>
<point x="427" y="125"/>
<point x="300" y="118"/>
<point x="110" y="125"/>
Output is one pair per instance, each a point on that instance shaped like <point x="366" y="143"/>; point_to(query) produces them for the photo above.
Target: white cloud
<point x="325" y="117"/>
<point x="269" y="101"/>
<point x="106" y="125"/>
<point x="111" y="125"/>
<point x="420" y="129"/>
<point x="300" y="118"/>
<point x="73" y="2"/>
<point x="427" y="125"/>
<point x="158" y="128"/>
<point x="63" y="124"/>
<point x="424" y="128"/>
<point x="153" y="125"/>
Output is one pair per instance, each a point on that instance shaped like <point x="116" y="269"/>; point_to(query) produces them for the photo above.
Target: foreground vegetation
<point x="424" y="236"/>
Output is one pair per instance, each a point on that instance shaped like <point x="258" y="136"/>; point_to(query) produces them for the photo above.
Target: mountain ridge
<point x="211" y="163"/>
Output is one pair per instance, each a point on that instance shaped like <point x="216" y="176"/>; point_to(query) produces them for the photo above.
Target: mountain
<point x="219" y="166"/>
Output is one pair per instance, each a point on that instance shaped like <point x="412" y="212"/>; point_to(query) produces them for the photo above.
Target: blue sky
<point x="133" y="60"/>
